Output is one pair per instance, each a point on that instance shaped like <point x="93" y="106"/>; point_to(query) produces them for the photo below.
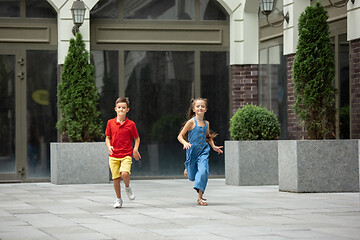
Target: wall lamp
<point x="78" y="14"/>
<point x="339" y="5"/>
<point x="266" y="7"/>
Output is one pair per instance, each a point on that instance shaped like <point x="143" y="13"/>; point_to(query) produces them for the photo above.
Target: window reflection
<point x="264" y="98"/>
<point x="105" y="9"/>
<point x="212" y="10"/>
<point x="106" y="64"/>
<point x="344" y="96"/>
<point x="7" y="113"/>
<point x="39" y="9"/>
<point x="273" y="84"/>
<point x="10" y="8"/>
<point x="41" y="110"/>
<point x="215" y="87"/>
<point x="160" y="86"/>
<point x="159" y="9"/>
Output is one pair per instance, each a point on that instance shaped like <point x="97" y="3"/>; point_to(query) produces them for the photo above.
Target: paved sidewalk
<point x="166" y="209"/>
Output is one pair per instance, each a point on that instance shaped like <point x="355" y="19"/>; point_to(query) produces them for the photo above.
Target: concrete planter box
<point x="251" y="163"/>
<point x="79" y="163"/>
<point x="319" y="165"/>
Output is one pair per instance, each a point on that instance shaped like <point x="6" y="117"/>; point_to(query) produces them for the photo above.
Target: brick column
<point x="295" y="131"/>
<point x="355" y="88"/>
<point x="244" y="85"/>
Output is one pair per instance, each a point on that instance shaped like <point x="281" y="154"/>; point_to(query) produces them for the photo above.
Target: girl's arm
<point x="211" y="141"/>
<point x="136" y="149"/>
<point x="188" y="126"/>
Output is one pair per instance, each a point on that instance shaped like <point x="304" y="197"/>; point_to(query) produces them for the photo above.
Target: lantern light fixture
<point x="78" y="14"/>
<point x="339" y="5"/>
<point x="266" y="7"/>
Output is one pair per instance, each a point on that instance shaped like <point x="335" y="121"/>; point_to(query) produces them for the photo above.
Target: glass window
<point x="212" y="10"/>
<point x="7" y="113"/>
<point x="344" y="96"/>
<point x="273" y="84"/>
<point x="160" y="86"/>
<point x="159" y="9"/>
<point x="39" y="9"/>
<point x="10" y="8"/>
<point x="106" y="64"/>
<point x="41" y="110"/>
<point x="215" y="87"/>
<point x="263" y="79"/>
<point x="105" y="9"/>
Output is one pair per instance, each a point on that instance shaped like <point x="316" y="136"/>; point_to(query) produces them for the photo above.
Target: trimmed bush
<point x="166" y="129"/>
<point x="313" y="73"/>
<point x="253" y="122"/>
<point x="78" y="96"/>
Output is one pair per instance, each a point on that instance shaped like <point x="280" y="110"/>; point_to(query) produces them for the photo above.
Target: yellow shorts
<point x="118" y="165"/>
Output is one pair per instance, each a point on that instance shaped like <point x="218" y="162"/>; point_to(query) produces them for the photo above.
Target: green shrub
<point x="314" y="73"/>
<point x="166" y="129"/>
<point x="78" y="98"/>
<point x="254" y="123"/>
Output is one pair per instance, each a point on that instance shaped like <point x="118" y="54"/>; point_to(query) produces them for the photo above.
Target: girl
<point x="197" y="131"/>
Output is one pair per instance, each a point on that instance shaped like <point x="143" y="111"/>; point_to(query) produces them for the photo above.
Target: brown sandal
<point x="185" y="173"/>
<point x="202" y="202"/>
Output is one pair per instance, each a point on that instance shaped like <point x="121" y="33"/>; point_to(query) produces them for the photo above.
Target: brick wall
<point x="244" y="85"/>
<point x="355" y="88"/>
<point x="295" y="131"/>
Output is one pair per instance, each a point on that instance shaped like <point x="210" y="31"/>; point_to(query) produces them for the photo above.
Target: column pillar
<point x="290" y="40"/>
<point x="244" y="50"/>
<point x="65" y="25"/>
<point x="353" y="36"/>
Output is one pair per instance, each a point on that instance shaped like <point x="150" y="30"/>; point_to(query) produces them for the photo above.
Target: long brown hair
<point x="190" y="114"/>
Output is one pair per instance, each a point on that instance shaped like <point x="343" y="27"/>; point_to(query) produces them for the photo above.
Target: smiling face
<point x="199" y="107"/>
<point x="121" y="110"/>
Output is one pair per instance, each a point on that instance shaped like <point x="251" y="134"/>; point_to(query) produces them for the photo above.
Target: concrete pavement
<point x="166" y="209"/>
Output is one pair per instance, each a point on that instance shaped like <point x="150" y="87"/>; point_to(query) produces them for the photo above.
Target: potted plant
<point x="78" y="158"/>
<point x="251" y="159"/>
<point x="317" y="164"/>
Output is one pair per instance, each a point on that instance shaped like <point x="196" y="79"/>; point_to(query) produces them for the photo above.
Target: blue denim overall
<point x="197" y="157"/>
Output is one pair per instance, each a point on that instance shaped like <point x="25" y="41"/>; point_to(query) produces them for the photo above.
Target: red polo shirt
<point x="121" y="137"/>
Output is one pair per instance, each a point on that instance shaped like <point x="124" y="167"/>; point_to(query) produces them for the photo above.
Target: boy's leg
<point x="115" y="172"/>
<point x="125" y="174"/>
<point x="117" y="187"/>
<point x="126" y="178"/>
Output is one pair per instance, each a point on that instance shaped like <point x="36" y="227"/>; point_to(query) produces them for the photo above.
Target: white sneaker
<point x="129" y="193"/>
<point x="118" y="203"/>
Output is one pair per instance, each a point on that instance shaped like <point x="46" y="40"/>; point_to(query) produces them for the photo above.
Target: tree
<point x="78" y="96"/>
<point x="314" y="73"/>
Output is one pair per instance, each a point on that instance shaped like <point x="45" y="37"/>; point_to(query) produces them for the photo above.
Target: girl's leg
<point x="201" y="176"/>
<point x="117" y="187"/>
<point x="201" y="201"/>
<point x="191" y="170"/>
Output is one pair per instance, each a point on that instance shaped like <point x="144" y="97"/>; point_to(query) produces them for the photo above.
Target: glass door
<point x="12" y="80"/>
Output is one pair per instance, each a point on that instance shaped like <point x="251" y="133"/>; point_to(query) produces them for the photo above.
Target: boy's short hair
<point x="121" y="100"/>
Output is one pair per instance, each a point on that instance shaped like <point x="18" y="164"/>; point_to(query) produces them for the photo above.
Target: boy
<point x="120" y="132"/>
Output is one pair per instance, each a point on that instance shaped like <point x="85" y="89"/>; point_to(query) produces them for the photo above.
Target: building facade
<point x="160" y="53"/>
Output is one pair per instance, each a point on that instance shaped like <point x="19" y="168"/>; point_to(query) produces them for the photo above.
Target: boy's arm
<point x="136" y="149"/>
<point x="109" y="147"/>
